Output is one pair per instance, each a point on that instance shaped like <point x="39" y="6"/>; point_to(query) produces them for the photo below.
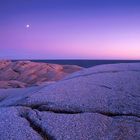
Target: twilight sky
<point x="69" y="29"/>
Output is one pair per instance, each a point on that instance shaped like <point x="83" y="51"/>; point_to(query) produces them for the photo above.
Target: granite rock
<point x="19" y="74"/>
<point x="98" y="103"/>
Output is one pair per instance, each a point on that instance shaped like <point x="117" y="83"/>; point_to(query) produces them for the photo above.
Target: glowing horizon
<point x="70" y="30"/>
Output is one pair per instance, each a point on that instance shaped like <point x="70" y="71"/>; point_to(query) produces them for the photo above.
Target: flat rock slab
<point x="101" y="103"/>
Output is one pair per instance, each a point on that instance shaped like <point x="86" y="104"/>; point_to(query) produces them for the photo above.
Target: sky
<point x="70" y="29"/>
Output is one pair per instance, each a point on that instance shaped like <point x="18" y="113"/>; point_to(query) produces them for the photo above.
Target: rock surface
<point x="21" y="74"/>
<point x="98" y="103"/>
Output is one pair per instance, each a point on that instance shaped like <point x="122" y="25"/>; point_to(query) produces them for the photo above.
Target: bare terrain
<point x="97" y="103"/>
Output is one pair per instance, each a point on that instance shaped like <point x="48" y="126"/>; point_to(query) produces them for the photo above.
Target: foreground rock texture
<point x="21" y="74"/>
<point x="98" y="103"/>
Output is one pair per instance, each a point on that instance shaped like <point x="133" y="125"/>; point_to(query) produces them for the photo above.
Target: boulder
<point x="98" y="103"/>
<point x="18" y="74"/>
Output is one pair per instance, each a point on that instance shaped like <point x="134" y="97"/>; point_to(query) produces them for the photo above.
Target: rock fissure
<point x="67" y="111"/>
<point x="104" y="86"/>
<point x="35" y="127"/>
<point x="111" y="114"/>
<point x="58" y="111"/>
<point x="16" y="71"/>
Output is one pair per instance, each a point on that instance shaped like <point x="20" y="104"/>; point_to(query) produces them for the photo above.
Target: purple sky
<point x="70" y="29"/>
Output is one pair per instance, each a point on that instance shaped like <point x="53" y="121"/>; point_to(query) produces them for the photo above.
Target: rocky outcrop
<point x="98" y="103"/>
<point x="21" y="74"/>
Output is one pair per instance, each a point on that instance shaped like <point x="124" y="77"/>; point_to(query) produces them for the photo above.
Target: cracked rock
<point x="98" y="103"/>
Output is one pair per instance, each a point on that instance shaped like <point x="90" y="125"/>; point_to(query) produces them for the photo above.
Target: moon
<point x="27" y="26"/>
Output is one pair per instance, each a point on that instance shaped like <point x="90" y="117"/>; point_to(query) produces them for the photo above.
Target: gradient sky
<point x="70" y="29"/>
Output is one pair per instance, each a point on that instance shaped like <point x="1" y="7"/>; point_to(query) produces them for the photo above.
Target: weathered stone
<point x="99" y="103"/>
<point x="21" y="74"/>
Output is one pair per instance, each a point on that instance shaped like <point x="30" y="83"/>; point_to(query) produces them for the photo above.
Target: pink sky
<point x="102" y="33"/>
